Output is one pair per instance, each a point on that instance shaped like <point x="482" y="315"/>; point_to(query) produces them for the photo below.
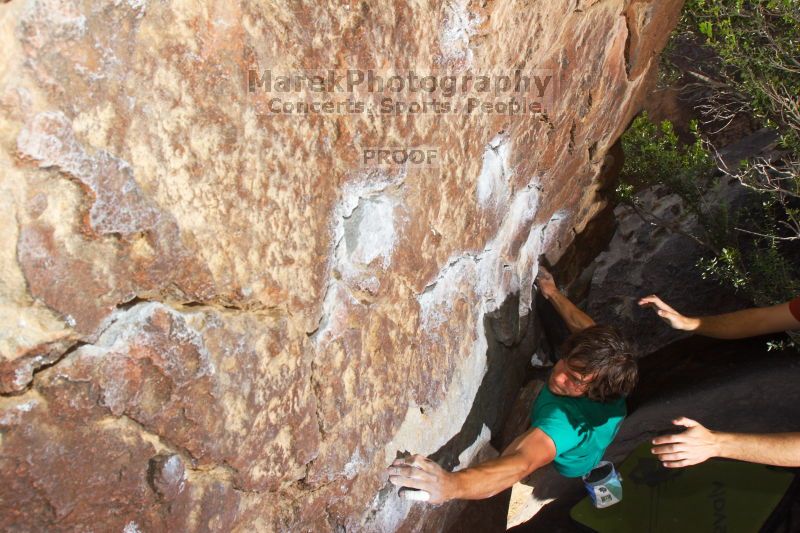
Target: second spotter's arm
<point x="698" y="443"/>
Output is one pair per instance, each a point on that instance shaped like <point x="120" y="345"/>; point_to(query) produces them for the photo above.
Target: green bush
<point x="741" y="244"/>
<point x="654" y="155"/>
<point x="759" y="45"/>
<point x="753" y="249"/>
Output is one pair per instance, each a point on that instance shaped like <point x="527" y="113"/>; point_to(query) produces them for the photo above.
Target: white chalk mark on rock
<point x="493" y="189"/>
<point x="459" y="25"/>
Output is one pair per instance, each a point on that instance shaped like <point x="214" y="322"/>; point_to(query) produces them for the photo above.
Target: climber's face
<point x="566" y="381"/>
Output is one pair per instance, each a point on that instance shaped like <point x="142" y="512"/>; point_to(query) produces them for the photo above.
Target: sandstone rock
<point x="185" y="274"/>
<point x="179" y="377"/>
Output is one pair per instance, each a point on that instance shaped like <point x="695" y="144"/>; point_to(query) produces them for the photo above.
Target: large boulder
<point x="216" y="317"/>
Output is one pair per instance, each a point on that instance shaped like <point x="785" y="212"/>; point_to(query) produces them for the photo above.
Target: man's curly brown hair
<point x="603" y="352"/>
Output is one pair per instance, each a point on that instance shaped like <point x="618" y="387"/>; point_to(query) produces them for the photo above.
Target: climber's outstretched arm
<point x="530" y="451"/>
<point x="575" y="319"/>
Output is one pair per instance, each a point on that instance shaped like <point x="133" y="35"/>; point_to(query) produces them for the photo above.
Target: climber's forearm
<point x="489" y="478"/>
<point x="575" y="319"/>
<point x="528" y="452"/>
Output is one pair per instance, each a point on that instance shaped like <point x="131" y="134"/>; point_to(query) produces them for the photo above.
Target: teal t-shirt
<point x="581" y="429"/>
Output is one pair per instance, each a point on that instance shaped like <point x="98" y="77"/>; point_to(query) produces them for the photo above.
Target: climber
<point x="696" y="443"/>
<point x="573" y="420"/>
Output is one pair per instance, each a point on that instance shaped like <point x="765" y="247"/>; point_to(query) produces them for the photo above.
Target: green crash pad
<point x="715" y="496"/>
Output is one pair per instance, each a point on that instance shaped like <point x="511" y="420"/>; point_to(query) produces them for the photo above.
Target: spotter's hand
<point x="668" y="314"/>
<point x="691" y="447"/>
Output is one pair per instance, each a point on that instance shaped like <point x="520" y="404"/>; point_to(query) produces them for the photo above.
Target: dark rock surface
<point x="643" y="259"/>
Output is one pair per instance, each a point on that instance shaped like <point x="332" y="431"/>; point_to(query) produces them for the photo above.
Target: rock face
<point x="217" y="318"/>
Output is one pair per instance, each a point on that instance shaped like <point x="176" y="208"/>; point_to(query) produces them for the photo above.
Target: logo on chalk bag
<point x="604" y="497"/>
